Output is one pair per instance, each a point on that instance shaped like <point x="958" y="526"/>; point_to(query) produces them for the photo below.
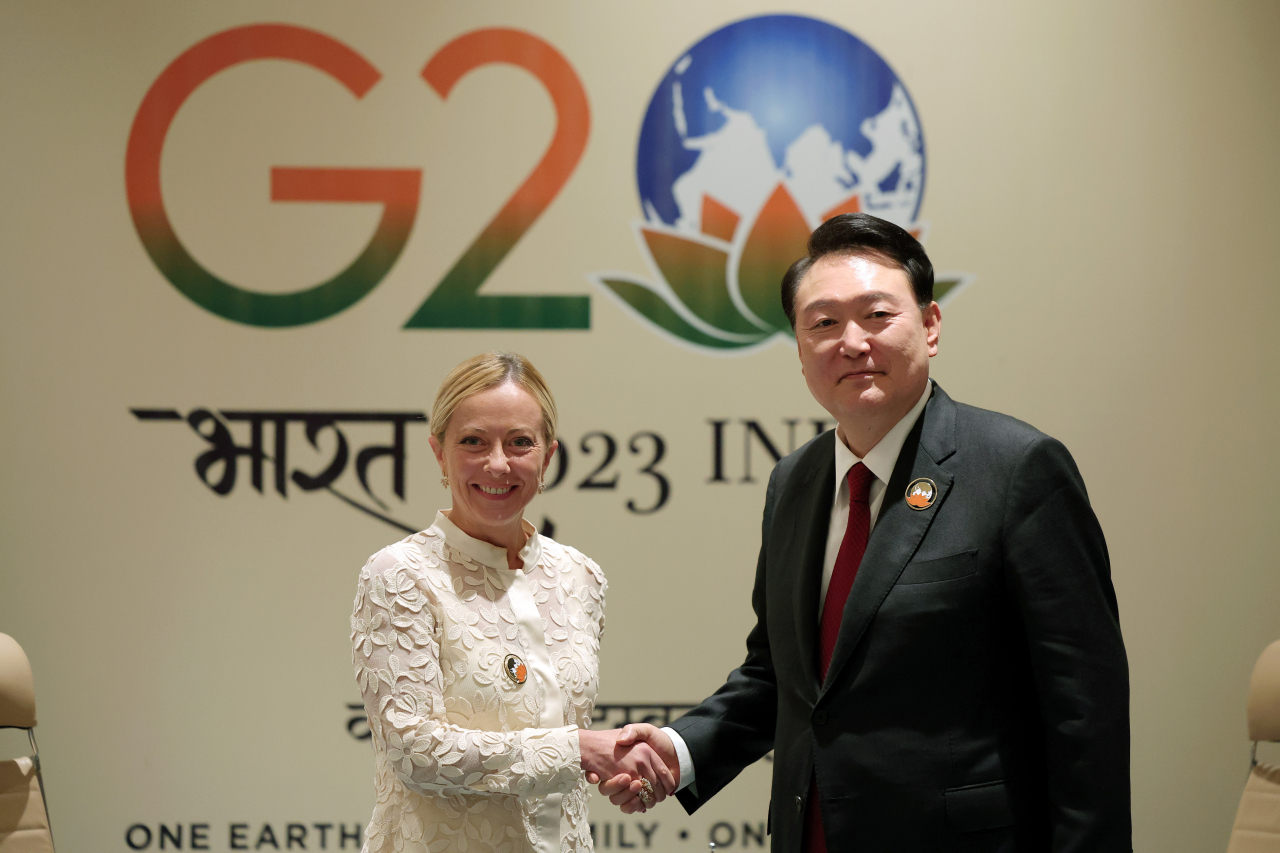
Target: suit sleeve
<point x="1059" y="575"/>
<point x="734" y="727"/>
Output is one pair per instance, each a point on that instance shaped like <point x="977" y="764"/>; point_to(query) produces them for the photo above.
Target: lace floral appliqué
<point x="461" y="763"/>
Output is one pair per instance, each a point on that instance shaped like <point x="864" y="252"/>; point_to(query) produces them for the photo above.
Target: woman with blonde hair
<point x="476" y="645"/>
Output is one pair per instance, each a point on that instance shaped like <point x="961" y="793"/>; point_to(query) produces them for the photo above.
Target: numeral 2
<point x="455" y="302"/>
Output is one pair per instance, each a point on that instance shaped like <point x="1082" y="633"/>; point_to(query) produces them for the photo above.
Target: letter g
<point x="396" y="189"/>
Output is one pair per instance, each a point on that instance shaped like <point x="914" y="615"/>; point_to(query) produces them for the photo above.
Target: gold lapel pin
<point x="515" y="669"/>
<point x="921" y="493"/>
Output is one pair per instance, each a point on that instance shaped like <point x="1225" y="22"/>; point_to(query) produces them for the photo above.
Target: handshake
<point x="636" y="766"/>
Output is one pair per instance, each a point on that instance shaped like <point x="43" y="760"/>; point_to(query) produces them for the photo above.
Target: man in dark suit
<point x="937" y="661"/>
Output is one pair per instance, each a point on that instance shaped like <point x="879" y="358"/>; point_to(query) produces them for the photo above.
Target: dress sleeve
<point x="395" y="638"/>
<point x="602" y="587"/>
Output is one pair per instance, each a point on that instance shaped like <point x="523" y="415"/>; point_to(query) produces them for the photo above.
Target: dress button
<point x="820" y="718"/>
<point x="799" y="804"/>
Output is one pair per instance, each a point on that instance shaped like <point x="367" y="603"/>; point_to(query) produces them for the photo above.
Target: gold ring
<point x="646" y="792"/>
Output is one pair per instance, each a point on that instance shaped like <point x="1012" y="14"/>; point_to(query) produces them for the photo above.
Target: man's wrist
<point x="682" y="754"/>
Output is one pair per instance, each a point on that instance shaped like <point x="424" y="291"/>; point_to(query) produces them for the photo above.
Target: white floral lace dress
<point x="476" y="679"/>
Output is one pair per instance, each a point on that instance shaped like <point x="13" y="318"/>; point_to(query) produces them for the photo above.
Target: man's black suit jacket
<point x="978" y="695"/>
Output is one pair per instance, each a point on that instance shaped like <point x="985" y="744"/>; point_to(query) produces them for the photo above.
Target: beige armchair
<point x="1257" y="826"/>
<point x="24" y="819"/>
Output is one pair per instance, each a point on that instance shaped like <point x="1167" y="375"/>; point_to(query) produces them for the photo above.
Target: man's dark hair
<point x="862" y="235"/>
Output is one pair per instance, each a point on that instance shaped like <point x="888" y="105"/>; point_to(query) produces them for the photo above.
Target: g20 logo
<point x="454" y="303"/>
<point x="757" y="134"/>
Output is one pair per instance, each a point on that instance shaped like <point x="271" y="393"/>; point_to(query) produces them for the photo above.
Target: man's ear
<point x="932" y="327"/>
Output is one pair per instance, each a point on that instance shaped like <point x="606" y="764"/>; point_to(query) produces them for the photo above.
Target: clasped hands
<point x="636" y="766"/>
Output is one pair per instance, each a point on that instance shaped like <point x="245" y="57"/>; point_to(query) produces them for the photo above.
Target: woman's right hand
<point x="625" y="768"/>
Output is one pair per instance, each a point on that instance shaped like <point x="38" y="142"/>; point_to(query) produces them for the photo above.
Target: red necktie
<point x="849" y="558"/>
<point x="852" y="547"/>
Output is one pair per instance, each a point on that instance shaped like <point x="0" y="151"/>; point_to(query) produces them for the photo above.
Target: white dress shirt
<point x="881" y="460"/>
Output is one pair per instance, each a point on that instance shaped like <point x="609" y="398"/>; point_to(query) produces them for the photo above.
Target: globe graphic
<point x="755" y="136"/>
<point x="779" y="100"/>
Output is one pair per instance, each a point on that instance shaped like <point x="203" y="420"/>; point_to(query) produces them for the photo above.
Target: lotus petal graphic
<point x="713" y="290"/>
<point x="721" y="288"/>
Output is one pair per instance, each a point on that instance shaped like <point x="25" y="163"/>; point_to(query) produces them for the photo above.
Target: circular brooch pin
<point x="921" y="493"/>
<point x="515" y="669"/>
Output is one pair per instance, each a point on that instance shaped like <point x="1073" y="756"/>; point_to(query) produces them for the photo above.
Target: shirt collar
<point x="485" y="553"/>
<point x="884" y="456"/>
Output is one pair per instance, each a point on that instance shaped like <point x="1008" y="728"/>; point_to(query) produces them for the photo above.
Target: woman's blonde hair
<point x="489" y="370"/>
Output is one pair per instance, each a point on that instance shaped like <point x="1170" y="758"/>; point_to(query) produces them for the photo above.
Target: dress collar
<point x="483" y="552"/>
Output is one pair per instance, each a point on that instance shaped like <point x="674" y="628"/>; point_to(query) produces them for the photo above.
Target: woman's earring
<point x="444" y="481"/>
<point x="542" y="486"/>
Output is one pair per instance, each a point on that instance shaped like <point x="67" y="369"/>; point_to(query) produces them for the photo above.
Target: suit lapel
<point x="899" y="529"/>
<point x="804" y="515"/>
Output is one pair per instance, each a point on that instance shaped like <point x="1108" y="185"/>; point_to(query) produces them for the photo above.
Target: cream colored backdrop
<point x="1106" y="173"/>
